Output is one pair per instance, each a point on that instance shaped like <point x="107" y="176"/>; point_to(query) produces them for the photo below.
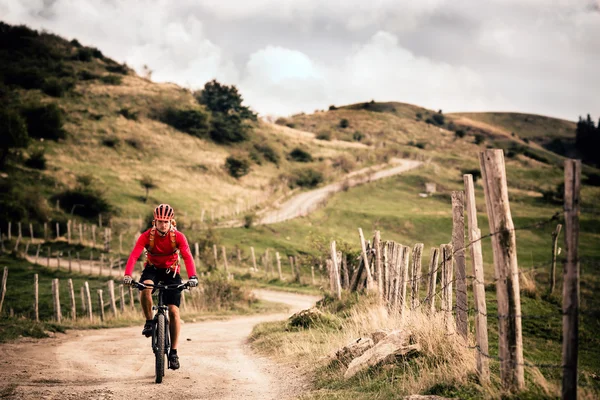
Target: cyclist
<point x="163" y="242"/>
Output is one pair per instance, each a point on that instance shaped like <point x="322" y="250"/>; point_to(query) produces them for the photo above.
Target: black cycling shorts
<point x="157" y="275"/>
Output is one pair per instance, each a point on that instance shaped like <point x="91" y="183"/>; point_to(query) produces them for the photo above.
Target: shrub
<point x="75" y="43"/>
<point x="268" y="153"/>
<point x="135" y="143"/>
<point x="118" y="69"/>
<point x="89" y="202"/>
<point x="86" y="75"/>
<point x="237" y="166"/>
<point x="127" y="113"/>
<point x="37" y="160"/>
<point x="84" y="54"/>
<point x="111" y="142"/>
<point x="344" y="123"/>
<point x="344" y="163"/>
<point x="420" y="145"/>
<point x="228" y="128"/>
<point x="358" y="136"/>
<point x="111" y="79"/>
<point x="249" y="220"/>
<point x="27" y="78"/>
<point x="13" y="132"/>
<point x="332" y="108"/>
<point x="44" y="121"/>
<point x="290" y="125"/>
<point x="300" y="155"/>
<point x="438" y="118"/>
<point x="224" y="99"/>
<point x="192" y="121"/>
<point x="57" y="87"/>
<point x="419" y="115"/>
<point x="451" y="126"/>
<point x="475" y="172"/>
<point x="324" y="135"/>
<point x="479" y="138"/>
<point x="460" y="134"/>
<point x="307" y="177"/>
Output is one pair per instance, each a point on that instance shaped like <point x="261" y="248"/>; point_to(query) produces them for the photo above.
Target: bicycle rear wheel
<point x="159" y="353"/>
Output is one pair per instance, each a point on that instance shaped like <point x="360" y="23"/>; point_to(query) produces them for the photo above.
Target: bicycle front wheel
<point x="160" y="348"/>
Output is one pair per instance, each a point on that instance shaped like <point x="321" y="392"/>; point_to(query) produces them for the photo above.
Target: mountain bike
<point x="160" y="325"/>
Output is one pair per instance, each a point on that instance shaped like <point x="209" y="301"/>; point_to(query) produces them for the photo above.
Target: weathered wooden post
<point x="45" y="231"/>
<point x="571" y="279"/>
<point x="81" y="234"/>
<point x="481" y="333"/>
<point x="504" y="245"/>
<point x="336" y="271"/>
<point x="312" y="274"/>
<point x="37" y="252"/>
<point x="58" y="260"/>
<point x="57" y="230"/>
<point x="279" y="265"/>
<point x="216" y="256"/>
<point x="83" y="303"/>
<point x="56" y="300"/>
<point x="224" y="252"/>
<point x="253" y="258"/>
<point x="72" y="299"/>
<point x="378" y="272"/>
<point x="89" y="301"/>
<point x="4" y="279"/>
<point x="446" y="283"/>
<point x="94" y="236"/>
<point x="122" y="298"/>
<point x="111" y="296"/>
<point x="131" y="298"/>
<point x="18" y="242"/>
<point x="9" y="231"/>
<point x="19" y="230"/>
<point x="417" y="255"/>
<point x="365" y="259"/>
<point x="101" y="304"/>
<point x="70" y="261"/>
<point x="36" y="298"/>
<point x="404" y="279"/>
<point x="31" y="231"/>
<point x="48" y="258"/>
<point x="555" y="253"/>
<point x="197" y="253"/>
<point x="69" y="231"/>
<point x="458" y="243"/>
<point x="239" y="257"/>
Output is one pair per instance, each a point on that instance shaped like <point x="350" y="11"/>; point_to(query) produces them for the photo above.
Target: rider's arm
<point x="139" y="247"/>
<point x="186" y="254"/>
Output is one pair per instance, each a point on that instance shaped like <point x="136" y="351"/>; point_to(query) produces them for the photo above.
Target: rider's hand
<point x="127" y="279"/>
<point x="193" y="281"/>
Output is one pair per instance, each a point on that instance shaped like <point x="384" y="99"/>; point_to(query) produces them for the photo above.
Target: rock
<point x="394" y="345"/>
<point x="306" y="318"/>
<point x="352" y="350"/>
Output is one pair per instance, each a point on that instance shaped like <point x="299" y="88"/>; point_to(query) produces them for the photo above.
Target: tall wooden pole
<point x="571" y="279"/>
<point x="378" y="272"/>
<point x="365" y="259"/>
<point x="4" y="279"/>
<point x="36" y="298"/>
<point x="336" y="271"/>
<point x="504" y="245"/>
<point x="72" y="299"/>
<point x="458" y="243"/>
<point x="417" y="255"/>
<point x="555" y="251"/>
<point x="432" y="278"/>
<point x="89" y="301"/>
<point x="481" y="333"/>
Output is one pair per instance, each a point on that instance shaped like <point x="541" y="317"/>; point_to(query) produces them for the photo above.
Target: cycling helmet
<point x="164" y="212"/>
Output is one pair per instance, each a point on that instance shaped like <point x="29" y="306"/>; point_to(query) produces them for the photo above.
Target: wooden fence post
<point x="224" y="252"/>
<point x="19" y="230"/>
<point x="216" y="256"/>
<point x="72" y="299"/>
<point x="555" y="252"/>
<point x="58" y="260"/>
<point x="81" y="234"/>
<point x="94" y="236"/>
<point x="279" y="266"/>
<point x="446" y="283"/>
<point x="56" y="300"/>
<point x="131" y="298"/>
<point x="312" y="274"/>
<point x="83" y="303"/>
<point x="122" y="298"/>
<point x="48" y="258"/>
<point x="378" y="272"/>
<point x="111" y="296"/>
<point x="336" y="271"/>
<point x="365" y="259"/>
<point x="196" y="252"/>
<point x="504" y="245"/>
<point x="57" y="230"/>
<point x="69" y="231"/>
<point x="404" y="279"/>
<point x="417" y="255"/>
<point x="70" y="261"/>
<point x="458" y="243"/>
<point x="253" y="258"/>
<point x="31" y="231"/>
<point x="481" y="333"/>
<point x="45" y="231"/>
<point x="4" y="279"/>
<point x="571" y="279"/>
<point x="239" y="257"/>
<point x="9" y="231"/>
<point x="101" y="304"/>
<point x="89" y="301"/>
<point x="37" y="252"/>
<point x="36" y="298"/>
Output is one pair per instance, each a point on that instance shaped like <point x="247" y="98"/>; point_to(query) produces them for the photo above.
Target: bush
<point x="192" y="121"/>
<point x="237" y="166"/>
<point x="592" y="179"/>
<point x="268" y="153"/>
<point x="290" y="125"/>
<point x="75" y="43"/>
<point x="300" y="155"/>
<point x="111" y="79"/>
<point x="438" y="118"/>
<point x="37" y="160"/>
<point x="324" y="135"/>
<point x="307" y="177"/>
<point x="13" y="132"/>
<point x="344" y="123"/>
<point x="111" y="142"/>
<point x="127" y="113"/>
<point x="479" y="138"/>
<point x="86" y="75"/>
<point x="57" y="87"/>
<point x="419" y="116"/>
<point x="344" y="163"/>
<point x="332" y="108"/>
<point x="27" y="78"/>
<point x="118" y="69"/>
<point x="44" y="121"/>
<point x="475" y="172"/>
<point x="249" y="220"/>
<point x="228" y="128"/>
<point x="460" y="134"/>
<point x="84" y="54"/>
<point x="451" y="126"/>
<point x="135" y="143"/>
<point x="358" y="136"/>
<point x="89" y="202"/>
<point x="224" y="99"/>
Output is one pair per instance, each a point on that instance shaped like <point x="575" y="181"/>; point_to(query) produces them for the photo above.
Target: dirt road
<point x="216" y="363"/>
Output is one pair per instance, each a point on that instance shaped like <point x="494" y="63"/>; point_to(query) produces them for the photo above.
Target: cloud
<point x="299" y="55"/>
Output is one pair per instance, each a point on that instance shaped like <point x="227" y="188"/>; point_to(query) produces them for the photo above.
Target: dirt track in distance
<point x="118" y="363"/>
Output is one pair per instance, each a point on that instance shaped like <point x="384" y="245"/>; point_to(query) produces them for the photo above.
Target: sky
<point x="291" y="56"/>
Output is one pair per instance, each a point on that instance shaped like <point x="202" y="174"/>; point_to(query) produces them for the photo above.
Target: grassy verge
<point x="444" y="367"/>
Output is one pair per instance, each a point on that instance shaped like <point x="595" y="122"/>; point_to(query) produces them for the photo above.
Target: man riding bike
<point x="163" y="242"/>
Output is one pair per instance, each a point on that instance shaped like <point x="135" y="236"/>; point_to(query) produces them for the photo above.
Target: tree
<point x="224" y="99"/>
<point x="587" y="140"/>
<point x="147" y="183"/>
<point x="13" y="133"/>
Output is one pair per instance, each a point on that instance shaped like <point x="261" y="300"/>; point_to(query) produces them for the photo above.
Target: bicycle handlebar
<point x="174" y="286"/>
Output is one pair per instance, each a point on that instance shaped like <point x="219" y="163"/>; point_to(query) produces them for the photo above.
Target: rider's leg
<point x="146" y="300"/>
<point x="174" y="325"/>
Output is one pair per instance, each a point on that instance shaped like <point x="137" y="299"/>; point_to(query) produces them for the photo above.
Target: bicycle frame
<point x="160" y="308"/>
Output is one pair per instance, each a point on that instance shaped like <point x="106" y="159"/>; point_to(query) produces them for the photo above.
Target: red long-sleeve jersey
<point x="162" y="255"/>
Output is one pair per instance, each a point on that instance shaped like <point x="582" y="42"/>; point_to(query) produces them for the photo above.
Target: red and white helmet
<point x="164" y="212"/>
